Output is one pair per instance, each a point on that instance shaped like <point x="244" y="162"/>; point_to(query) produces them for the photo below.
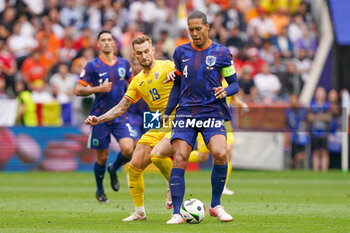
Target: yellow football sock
<point x="229" y="169"/>
<point x="193" y="157"/>
<point x="164" y="164"/>
<point x="136" y="185"/>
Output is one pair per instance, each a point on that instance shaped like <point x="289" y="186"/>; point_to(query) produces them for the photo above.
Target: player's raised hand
<point x="170" y="76"/>
<point x="91" y="120"/>
<point x="219" y="92"/>
<point x="106" y="87"/>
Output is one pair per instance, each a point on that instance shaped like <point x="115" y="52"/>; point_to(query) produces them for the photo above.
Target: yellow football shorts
<point x="201" y="147"/>
<point x="153" y="136"/>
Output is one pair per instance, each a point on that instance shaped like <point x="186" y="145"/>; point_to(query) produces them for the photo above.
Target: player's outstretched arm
<point x="113" y="113"/>
<point x="81" y="90"/>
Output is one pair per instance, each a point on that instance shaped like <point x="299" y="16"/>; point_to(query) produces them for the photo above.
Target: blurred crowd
<point x="45" y="44"/>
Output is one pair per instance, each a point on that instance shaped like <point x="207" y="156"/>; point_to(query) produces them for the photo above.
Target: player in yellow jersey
<point x="148" y="85"/>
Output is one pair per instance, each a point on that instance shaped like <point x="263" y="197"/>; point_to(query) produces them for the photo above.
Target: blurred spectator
<point x="120" y="13"/>
<point x="27" y="28"/>
<point x="26" y="114"/>
<point x="71" y="15"/>
<point x="21" y="45"/>
<point x="217" y="32"/>
<point x="36" y="7"/>
<point x="263" y="24"/>
<point x="296" y="117"/>
<point x="291" y="81"/>
<point x="233" y="18"/>
<point x="131" y="32"/>
<point x="168" y="44"/>
<point x="67" y="51"/>
<point x="267" y="51"/>
<point x="7" y="23"/>
<point x="280" y="19"/>
<point x="64" y="81"/>
<point x="56" y="27"/>
<point x="85" y="40"/>
<point x="307" y="42"/>
<point x="303" y="64"/>
<point x="94" y="16"/>
<point x="278" y="67"/>
<point x="33" y="68"/>
<point x="295" y="28"/>
<point x="143" y="9"/>
<point x="254" y="40"/>
<point x="248" y="91"/>
<point x="254" y="60"/>
<point x="268" y="84"/>
<point x="304" y="10"/>
<point x="40" y="94"/>
<point x="183" y="39"/>
<point x="235" y="39"/>
<point x="319" y="118"/>
<point x="8" y="65"/>
<point x="335" y="132"/>
<point x="3" y="94"/>
<point x="283" y="43"/>
<point x="238" y="63"/>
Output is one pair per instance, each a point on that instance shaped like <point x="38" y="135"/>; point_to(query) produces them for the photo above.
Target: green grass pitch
<point x="288" y="201"/>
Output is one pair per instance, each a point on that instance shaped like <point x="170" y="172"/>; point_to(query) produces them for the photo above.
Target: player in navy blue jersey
<point x="200" y="68"/>
<point x="106" y="76"/>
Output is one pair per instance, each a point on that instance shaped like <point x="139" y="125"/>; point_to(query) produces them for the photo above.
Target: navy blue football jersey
<point x="201" y="70"/>
<point x="98" y="71"/>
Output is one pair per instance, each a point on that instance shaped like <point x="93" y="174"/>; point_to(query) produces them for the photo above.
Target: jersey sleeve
<point x="132" y="93"/>
<point x="86" y="75"/>
<point x="129" y="75"/>
<point x="177" y="61"/>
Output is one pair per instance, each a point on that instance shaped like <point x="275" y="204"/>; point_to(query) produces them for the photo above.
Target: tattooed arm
<point x="113" y="113"/>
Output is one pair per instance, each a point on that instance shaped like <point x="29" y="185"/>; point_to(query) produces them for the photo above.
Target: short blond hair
<point x="141" y="39"/>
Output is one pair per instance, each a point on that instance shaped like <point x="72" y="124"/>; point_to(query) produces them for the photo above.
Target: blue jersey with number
<point x="98" y="71"/>
<point x="201" y="71"/>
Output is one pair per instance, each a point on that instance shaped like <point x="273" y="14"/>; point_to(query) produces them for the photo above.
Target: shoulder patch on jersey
<point x="82" y="73"/>
<point x="210" y="60"/>
<point x="121" y="72"/>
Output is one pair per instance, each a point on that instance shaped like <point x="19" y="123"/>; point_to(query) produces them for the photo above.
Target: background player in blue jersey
<point x="106" y="77"/>
<point x="200" y="67"/>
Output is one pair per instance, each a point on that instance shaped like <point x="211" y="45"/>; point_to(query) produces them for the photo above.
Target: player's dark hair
<point x="141" y="39"/>
<point x="198" y="15"/>
<point x="102" y="32"/>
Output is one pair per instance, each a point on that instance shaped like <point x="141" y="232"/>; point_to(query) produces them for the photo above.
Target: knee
<point x="102" y="160"/>
<point x="219" y="156"/>
<point x="127" y="150"/>
<point x="180" y="160"/>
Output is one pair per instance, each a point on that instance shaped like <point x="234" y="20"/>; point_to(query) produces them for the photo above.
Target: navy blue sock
<point x="218" y="179"/>
<point x="177" y="188"/>
<point x="119" y="161"/>
<point x="99" y="175"/>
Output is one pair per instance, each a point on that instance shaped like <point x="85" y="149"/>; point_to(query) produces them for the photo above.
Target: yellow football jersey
<point x="151" y="87"/>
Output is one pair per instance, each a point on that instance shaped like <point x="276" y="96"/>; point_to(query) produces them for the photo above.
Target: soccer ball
<point x="192" y="211"/>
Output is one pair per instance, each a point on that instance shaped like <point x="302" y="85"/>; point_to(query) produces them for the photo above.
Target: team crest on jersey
<point x="210" y="60"/>
<point x="121" y="72"/>
<point x="156" y="75"/>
